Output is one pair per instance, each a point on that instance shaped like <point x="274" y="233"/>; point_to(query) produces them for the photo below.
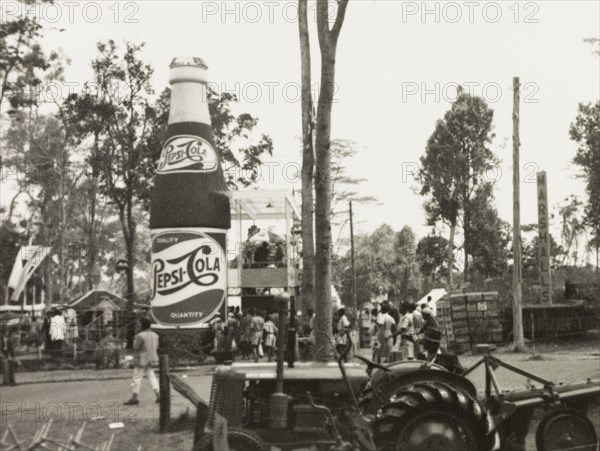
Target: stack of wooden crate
<point x="468" y="319"/>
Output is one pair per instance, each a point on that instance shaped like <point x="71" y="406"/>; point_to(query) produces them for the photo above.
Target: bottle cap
<point x="187" y="69"/>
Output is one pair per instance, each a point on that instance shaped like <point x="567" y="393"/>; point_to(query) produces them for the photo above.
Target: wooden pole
<point x="354" y="294"/>
<point x="165" y="393"/>
<point x="519" y="341"/>
<point x="544" y="239"/>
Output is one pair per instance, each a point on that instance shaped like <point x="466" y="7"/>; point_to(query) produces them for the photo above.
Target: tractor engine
<point x="244" y="398"/>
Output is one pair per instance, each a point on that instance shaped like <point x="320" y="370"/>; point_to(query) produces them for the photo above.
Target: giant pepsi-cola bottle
<point x="189" y="212"/>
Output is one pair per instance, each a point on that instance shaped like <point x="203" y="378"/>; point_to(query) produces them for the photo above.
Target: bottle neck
<point x="189" y="103"/>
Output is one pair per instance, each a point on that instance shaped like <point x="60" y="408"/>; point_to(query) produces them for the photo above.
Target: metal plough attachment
<point x="40" y="441"/>
<point x="561" y="427"/>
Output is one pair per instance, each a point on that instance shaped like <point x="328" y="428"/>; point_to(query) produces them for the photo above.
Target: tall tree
<point x="328" y="40"/>
<point x="456" y="158"/>
<point x="585" y="131"/>
<point x="44" y="149"/>
<point x="124" y="163"/>
<point x="308" y="161"/>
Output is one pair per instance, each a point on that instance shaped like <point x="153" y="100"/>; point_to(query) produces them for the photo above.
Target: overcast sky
<point x="397" y="67"/>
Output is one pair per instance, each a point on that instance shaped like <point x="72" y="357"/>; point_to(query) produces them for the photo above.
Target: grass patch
<point x="536" y="357"/>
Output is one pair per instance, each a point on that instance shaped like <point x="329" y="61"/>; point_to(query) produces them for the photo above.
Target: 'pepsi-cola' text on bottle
<point x="189" y="211"/>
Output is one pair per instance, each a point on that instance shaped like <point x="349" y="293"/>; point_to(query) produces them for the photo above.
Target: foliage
<point x="21" y="58"/>
<point x="573" y="228"/>
<point x="343" y="185"/>
<point x="530" y="255"/>
<point x="585" y="131"/>
<point x="455" y="162"/>
<point x="383" y="258"/>
<point x="431" y="257"/>
<point x="488" y="236"/>
<point x="239" y="149"/>
<point x="405" y="247"/>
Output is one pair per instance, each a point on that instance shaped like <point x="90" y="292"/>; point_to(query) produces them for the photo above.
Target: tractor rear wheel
<point x="238" y="440"/>
<point x="434" y="416"/>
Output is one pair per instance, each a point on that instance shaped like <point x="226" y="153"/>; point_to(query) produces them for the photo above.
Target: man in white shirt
<point x="57" y="330"/>
<point x="343" y="326"/>
<point x="417" y="324"/>
<point x="387" y="326"/>
<point x="407" y="333"/>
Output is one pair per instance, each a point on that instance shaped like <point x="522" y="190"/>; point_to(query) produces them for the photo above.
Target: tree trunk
<point x="92" y="245"/>
<point x="466" y="241"/>
<point x="308" y="162"/>
<point x="129" y="229"/>
<point x="327" y="43"/>
<point x="60" y="241"/>
<point x="451" y="255"/>
<point x="323" y="208"/>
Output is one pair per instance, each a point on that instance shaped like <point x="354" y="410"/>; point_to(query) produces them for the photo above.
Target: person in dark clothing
<point x="393" y="311"/>
<point x="430" y="333"/>
<point x="8" y="361"/>
<point x="46" y="331"/>
<point x="231" y="331"/>
<point x="261" y="256"/>
<point x="279" y="255"/>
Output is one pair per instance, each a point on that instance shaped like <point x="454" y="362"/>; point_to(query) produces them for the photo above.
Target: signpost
<point x="544" y="238"/>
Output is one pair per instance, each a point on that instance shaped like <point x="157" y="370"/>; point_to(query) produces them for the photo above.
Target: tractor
<point x="407" y="405"/>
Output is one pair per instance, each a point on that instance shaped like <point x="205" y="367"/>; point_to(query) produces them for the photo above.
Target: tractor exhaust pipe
<point x="279" y="402"/>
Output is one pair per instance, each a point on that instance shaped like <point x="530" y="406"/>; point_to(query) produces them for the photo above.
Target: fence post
<point x="201" y="417"/>
<point x="165" y="393"/>
<point x="532" y="334"/>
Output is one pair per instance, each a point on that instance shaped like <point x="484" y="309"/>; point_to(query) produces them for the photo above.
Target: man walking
<point x="145" y="346"/>
<point x="57" y="331"/>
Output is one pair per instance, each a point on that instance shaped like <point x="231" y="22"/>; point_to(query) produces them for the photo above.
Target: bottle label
<point x="189" y="276"/>
<point x="187" y="153"/>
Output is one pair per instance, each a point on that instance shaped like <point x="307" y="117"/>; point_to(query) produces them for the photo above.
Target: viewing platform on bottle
<point x="264" y="244"/>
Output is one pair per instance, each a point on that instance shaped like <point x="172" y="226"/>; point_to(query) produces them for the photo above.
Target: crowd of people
<point x="252" y="333"/>
<point x="49" y="331"/>
<point x="411" y="330"/>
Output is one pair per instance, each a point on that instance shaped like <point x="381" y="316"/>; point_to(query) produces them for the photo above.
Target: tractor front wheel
<point x="434" y="416"/>
<point x="566" y="429"/>
<point x="238" y="440"/>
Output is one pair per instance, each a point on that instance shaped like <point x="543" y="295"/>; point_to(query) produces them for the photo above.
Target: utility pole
<point x="519" y="342"/>
<point x="354" y="299"/>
